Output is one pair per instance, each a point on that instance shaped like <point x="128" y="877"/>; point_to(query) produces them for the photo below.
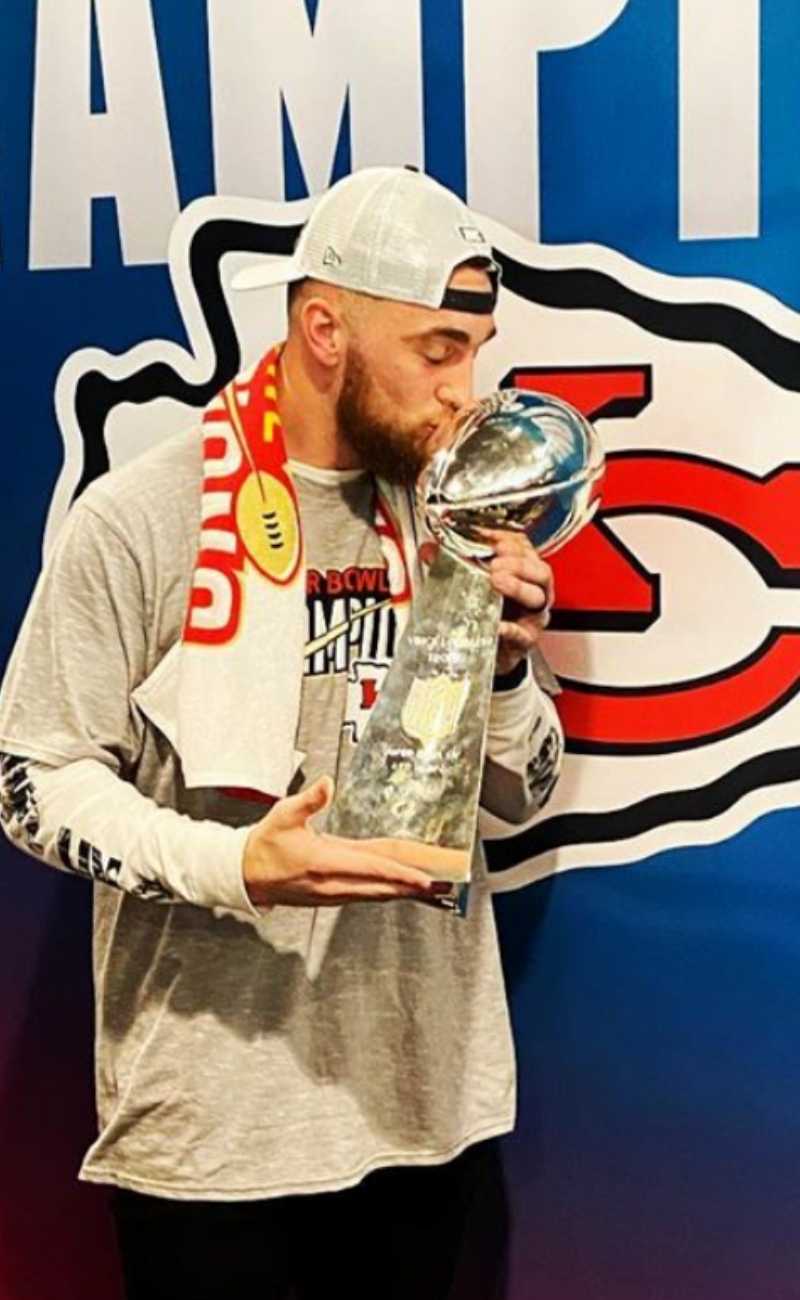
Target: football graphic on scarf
<point x="266" y="516"/>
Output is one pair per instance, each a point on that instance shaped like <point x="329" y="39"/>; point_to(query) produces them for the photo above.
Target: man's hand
<point x="287" y="861"/>
<point x="526" y="583"/>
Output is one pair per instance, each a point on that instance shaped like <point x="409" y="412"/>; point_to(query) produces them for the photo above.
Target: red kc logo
<point x="603" y="587"/>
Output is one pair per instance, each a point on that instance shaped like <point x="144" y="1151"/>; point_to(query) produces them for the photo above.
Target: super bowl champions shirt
<point x="352" y="627"/>
<point x="241" y="1055"/>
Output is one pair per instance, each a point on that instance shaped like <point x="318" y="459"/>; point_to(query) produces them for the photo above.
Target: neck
<point x="307" y="407"/>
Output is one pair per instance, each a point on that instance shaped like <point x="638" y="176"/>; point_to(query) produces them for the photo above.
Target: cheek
<point x="405" y="383"/>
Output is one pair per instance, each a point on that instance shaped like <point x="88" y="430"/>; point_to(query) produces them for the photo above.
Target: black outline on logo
<point x="702" y="803"/>
<point x="772" y="354"/>
<point x="96" y="394"/>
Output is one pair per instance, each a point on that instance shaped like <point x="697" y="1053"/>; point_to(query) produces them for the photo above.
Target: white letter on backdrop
<point x="720" y="119"/>
<point x="502" y="39"/>
<point x="371" y="48"/>
<point x="79" y="155"/>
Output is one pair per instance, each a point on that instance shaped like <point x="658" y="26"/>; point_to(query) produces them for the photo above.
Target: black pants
<point x="436" y="1233"/>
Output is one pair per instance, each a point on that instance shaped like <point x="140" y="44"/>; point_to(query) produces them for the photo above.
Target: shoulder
<point x="142" y="518"/>
<point x="162" y="479"/>
<point x="152" y="502"/>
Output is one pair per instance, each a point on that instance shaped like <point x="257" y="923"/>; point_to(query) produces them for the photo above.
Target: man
<point x="290" y="1088"/>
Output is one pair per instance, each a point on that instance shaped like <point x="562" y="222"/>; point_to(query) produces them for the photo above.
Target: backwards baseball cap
<point x="390" y="232"/>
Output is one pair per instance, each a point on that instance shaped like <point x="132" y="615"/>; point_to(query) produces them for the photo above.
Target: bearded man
<point x="293" y="1091"/>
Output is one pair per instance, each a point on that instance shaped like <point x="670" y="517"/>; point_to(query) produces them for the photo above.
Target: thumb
<point x="296" y="809"/>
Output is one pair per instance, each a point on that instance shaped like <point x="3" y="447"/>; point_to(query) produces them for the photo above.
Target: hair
<point x="480" y="263"/>
<point x="293" y="292"/>
<point x="350" y="304"/>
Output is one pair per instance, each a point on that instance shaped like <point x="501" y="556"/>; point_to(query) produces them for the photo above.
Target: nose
<point x="458" y="388"/>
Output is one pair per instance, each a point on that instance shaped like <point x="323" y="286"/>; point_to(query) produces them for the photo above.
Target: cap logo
<point x="330" y="257"/>
<point x="471" y="235"/>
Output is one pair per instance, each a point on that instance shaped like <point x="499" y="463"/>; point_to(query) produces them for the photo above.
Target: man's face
<point x="408" y="371"/>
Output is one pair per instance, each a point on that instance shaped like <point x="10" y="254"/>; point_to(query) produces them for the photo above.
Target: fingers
<point x="524" y="635"/>
<point x="436" y="859"/>
<point x="296" y="809"/>
<point x="506" y="542"/>
<point x="518" y="572"/>
<point x="528" y="583"/>
<point x="321" y="792"/>
<point x="521" y="585"/>
<point x="336" y="890"/>
<point x="524" y="564"/>
<point x="349" y="859"/>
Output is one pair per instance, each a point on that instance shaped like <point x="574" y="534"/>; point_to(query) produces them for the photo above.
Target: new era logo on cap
<point x="471" y="234"/>
<point x="331" y="257"/>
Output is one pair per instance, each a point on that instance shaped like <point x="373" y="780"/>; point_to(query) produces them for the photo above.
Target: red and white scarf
<point x="241" y="655"/>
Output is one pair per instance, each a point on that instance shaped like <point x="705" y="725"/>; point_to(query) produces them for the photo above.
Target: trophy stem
<point x="416" y="773"/>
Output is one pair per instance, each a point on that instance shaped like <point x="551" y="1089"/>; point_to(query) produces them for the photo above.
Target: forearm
<point x="524" y="750"/>
<point x="84" y="819"/>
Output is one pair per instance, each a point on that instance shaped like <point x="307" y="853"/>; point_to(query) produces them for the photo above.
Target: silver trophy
<point x="519" y="461"/>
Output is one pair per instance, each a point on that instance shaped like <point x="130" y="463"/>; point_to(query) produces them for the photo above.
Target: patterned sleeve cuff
<point x="509" y="681"/>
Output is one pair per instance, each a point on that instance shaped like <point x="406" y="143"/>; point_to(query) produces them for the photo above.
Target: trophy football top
<point x="520" y="461"/>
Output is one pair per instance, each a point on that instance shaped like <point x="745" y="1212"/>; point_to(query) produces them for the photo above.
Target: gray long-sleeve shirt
<point x="243" y="1055"/>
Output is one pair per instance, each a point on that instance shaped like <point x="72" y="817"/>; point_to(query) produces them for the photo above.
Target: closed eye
<point x="439" y="358"/>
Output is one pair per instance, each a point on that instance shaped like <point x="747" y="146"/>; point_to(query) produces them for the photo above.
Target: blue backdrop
<point x="656" y="1005"/>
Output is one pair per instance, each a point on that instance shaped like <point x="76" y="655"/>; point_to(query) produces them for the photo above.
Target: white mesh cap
<point x="390" y="232"/>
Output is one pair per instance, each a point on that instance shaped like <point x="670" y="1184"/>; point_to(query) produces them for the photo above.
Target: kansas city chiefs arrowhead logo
<point x="677" y="629"/>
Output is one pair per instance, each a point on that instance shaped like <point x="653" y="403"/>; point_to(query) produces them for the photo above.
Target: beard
<point x="388" y="449"/>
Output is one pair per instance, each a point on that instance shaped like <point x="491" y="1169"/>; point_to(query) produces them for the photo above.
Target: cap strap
<point x="480" y="304"/>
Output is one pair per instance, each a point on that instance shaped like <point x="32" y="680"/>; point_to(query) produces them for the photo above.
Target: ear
<point x="323" y="331"/>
